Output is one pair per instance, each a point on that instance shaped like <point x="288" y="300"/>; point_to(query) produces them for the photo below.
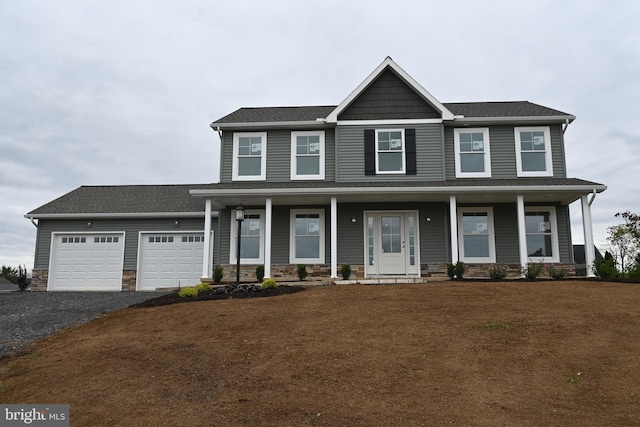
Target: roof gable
<point x="389" y="65"/>
<point x="389" y="97"/>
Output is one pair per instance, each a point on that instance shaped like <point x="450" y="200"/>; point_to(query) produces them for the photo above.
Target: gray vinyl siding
<point x="429" y="153"/>
<point x="278" y="155"/>
<point x="131" y="227"/>
<point x="389" y="97"/>
<point x="503" y="151"/>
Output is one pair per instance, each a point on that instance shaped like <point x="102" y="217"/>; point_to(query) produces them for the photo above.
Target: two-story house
<point x="391" y="181"/>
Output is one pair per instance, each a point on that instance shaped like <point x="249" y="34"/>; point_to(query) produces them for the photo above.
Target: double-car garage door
<point x="94" y="261"/>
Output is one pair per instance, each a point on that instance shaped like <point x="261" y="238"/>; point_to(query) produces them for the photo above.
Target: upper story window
<point x="542" y="234"/>
<point x="533" y="151"/>
<point x="472" y="153"/>
<point x="307" y="155"/>
<point x="250" y="156"/>
<point x="390" y="151"/>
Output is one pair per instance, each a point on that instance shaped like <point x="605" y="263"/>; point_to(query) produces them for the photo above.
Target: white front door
<point x="391" y="243"/>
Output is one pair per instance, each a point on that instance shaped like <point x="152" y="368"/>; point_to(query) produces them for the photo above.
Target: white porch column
<point x="206" y="254"/>
<point x="267" y="238"/>
<point x="587" y="226"/>
<point x="522" y="234"/>
<point x="453" y="220"/>
<point x="334" y="238"/>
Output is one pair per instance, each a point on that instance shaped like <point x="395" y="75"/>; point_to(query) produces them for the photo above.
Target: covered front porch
<point x="384" y="230"/>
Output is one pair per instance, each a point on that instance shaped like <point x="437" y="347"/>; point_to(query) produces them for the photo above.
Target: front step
<point x="383" y="281"/>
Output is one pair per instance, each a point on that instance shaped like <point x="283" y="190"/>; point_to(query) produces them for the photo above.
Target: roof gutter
<point x="564" y="119"/>
<point x="118" y="215"/>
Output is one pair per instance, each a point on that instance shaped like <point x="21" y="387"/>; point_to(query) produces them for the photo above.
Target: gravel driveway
<point x="29" y="316"/>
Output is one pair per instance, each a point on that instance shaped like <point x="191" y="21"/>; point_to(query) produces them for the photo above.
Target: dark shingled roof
<point x="277" y="114"/>
<point x="125" y="199"/>
<point x="311" y="113"/>
<point x="502" y="109"/>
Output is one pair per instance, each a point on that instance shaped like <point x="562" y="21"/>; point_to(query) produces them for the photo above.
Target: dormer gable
<point x="389" y="93"/>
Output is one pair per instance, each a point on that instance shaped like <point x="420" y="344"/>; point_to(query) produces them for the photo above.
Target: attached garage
<point x="169" y="260"/>
<point x="86" y="262"/>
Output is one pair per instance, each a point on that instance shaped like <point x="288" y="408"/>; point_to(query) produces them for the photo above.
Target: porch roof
<point x="478" y="190"/>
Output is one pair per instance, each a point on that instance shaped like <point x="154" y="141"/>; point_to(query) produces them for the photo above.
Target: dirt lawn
<point x="509" y="353"/>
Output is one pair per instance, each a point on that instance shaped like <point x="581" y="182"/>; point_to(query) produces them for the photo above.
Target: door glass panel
<point x="370" y="240"/>
<point x="390" y="232"/>
<point x="412" y="241"/>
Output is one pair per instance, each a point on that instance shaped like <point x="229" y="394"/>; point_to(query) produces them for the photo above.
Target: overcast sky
<point x="122" y="92"/>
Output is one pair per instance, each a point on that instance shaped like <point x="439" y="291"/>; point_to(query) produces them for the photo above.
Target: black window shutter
<point x="370" y="152"/>
<point x="410" y="147"/>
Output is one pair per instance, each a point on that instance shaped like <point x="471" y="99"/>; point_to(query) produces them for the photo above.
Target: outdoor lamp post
<point x="239" y="218"/>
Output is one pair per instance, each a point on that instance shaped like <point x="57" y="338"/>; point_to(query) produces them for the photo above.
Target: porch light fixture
<point x="90" y="223"/>
<point x="176" y="223"/>
<point x="353" y="220"/>
<point x="239" y="218"/>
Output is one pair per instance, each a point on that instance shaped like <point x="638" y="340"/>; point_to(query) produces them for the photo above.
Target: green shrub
<point x="497" y="272"/>
<point x="269" y="284"/>
<point x="558" y="272"/>
<point x="634" y="272"/>
<point x="302" y="271"/>
<point x="203" y="287"/>
<point x="260" y="273"/>
<point x="217" y="275"/>
<point x="456" y="271"/>
<point x="532" y="271"/>
<point x="606" y="268"/>
<point x="190" y="292"/>
<point x="345" y="271"/>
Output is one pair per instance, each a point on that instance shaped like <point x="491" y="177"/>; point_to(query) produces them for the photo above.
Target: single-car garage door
<point x="169" y="260"/>
<point x="86" y="262"/>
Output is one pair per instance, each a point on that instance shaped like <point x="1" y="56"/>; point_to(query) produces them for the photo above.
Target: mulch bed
<point x="246" y="291"/>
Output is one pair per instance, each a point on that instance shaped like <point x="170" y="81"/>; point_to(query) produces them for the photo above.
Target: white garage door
<point x="169" y="260"/>
<point x="86" y="262"/>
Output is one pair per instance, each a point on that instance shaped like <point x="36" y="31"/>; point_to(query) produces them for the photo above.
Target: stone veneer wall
<point x="129" y="280"/>
<point x="39" y="280"/>
<point x="481" y="271"/>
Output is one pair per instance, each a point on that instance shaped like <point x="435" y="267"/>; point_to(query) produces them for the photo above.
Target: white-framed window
<point x="476" y="235"/>
<point x="542" y="234"/>
<point x="472" y="148"/>
<point x="307" y="236"/>
<point x="249" y="156"/>
<point x="307" y="155"/>
<point x="533" y="151"/>
<point x="390" y="151"/>
<point x="252" y="237"/>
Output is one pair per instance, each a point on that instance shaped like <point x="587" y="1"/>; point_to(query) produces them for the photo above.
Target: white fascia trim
<point x="333" y="116"/>
<point x="388" y="122"/>
<point x="515" y="119"/>
<point x="261" y="125"/>
<point x="121" y="215"/>
<point x="355" y="190"/>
